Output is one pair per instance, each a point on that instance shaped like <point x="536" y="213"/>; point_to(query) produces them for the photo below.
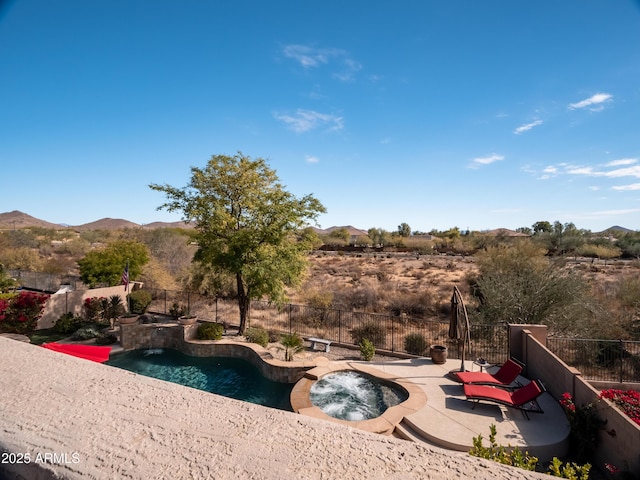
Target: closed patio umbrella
<point x="459" y="323"/>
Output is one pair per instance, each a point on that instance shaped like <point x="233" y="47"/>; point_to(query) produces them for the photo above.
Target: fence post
<point x="621" y="359"/>
<point x="339" y="326"/>
<point x="290" y="320"/>
<point x="393" y="334"/>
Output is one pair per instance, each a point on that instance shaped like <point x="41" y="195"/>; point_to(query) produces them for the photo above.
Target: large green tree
<point x="247" y="225"/>
<point x="105" y="266"/>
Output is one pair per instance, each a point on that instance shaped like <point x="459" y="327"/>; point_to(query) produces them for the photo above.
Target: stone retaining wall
<point x="182" y="338"/>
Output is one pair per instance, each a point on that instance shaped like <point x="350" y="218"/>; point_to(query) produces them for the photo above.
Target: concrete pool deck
<point x="448" y="420"/>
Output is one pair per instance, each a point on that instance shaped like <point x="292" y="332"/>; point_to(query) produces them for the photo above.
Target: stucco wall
<point x="620" y="438"/>
<point x="106" y="423"/>
<point x="61" y="303"/>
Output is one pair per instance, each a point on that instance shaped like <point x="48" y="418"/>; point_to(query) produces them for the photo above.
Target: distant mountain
<point x="107" y="224"/>
<point x="16" y="219"/>
<point x="353" y="231"/>
<point x="617" y="229"/>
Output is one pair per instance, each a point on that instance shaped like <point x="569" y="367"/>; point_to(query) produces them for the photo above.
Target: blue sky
<point x="449" y="113"/>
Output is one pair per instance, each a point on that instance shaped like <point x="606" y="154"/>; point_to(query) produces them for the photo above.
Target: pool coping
<point x="385" y="424"/>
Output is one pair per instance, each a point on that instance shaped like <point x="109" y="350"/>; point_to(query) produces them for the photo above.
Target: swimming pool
<point x="229" y="377"/>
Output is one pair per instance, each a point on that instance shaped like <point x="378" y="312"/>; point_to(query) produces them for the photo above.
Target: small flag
<point x="125" y="277"/>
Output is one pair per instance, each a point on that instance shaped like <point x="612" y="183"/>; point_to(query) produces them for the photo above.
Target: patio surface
<point x="449" y="421"/>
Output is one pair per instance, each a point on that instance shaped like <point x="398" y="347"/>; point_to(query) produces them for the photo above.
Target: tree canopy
<point x="105" y="266"/>
<point x="518" y="284"/>
<point x="247" y="225"/>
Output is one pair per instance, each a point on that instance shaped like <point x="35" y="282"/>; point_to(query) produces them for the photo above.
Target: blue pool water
<point x="229" y="377"/>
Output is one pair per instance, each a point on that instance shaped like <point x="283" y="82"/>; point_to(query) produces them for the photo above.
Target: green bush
<point x="106" y="339"/>
<point x="515" y="458"/>
<point x="257" y="335"/>
<point x="367" y="350"/>
<point x="371" y="331"/>
<point x="177" y="310"/>
<point x="210" y="331"/>
<point x="415" y="344"/>
<point x="85" y="333"/>
<point x="139" y="301"/>
<point x="67" y="323"/>
<point x="501" y="454"/>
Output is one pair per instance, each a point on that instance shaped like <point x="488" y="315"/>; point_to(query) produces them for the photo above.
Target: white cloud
<point x="526" y="127"/>
<point x="633" y="186"/>
<point x="622" y="161"/>
<point x="486" y="160"/>
<point x="350" y="68"/>
<point x="311" y="159"/>
<point x="583" y="171"/>
<point x="305" y="120"/>
<point x="618" y="212"/>
<point x="312" y="57"/>
<point x="308" y="56"/>
<point x="598" y="99"/>
<point x="624" y="172"/>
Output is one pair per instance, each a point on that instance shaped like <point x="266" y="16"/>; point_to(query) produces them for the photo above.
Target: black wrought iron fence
<point x="387" y="332"/>
<point x="604" y="360"/>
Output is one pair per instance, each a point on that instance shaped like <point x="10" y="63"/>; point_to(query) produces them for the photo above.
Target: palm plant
<point x="292" y="344"/>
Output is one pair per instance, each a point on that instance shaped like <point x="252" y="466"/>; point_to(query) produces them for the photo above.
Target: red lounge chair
<point x="94" y="353"/>
<point x="505" y="376"/>
<point x="524" y="398"/>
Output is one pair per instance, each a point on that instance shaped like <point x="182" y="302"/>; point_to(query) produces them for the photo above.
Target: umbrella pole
<point x="466" y="339"/>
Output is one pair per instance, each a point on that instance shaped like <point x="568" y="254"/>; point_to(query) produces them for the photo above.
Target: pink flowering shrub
<point x="93" y="309"/>
<point x="20" y="313"/>
<point x="628" y="401"/>
<point x="585" y="425"/>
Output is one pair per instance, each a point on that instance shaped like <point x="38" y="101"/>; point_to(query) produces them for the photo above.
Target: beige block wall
<point x="61" y="303"/>
<point x="620" y="438"/>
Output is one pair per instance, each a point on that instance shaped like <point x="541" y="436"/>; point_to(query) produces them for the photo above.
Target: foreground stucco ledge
<point x="105" y="423"/>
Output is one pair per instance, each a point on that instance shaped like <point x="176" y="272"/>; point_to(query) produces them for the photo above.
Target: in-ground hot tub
<point x="357" y="395"/>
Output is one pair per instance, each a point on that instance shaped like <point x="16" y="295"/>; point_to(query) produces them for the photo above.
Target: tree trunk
<point x="243" y="304"/>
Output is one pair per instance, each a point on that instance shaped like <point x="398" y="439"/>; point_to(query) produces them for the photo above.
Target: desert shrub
<point x="210" y="331"/>
<point x="371" y="331"/>
<point x="413" y="304"/>
<point x="67" y="323"/>
<point x="319" y="299"/>
<point x="177" y="310"/>
<point x="257" y="335"/>
<point x="85" y="333"/>
<point x="367" y="349"/>
<point x="364" y="297"/>
<point x="415" y="344"/>
<point x="274" y="336"/>
<point x="139" y="301"/>
<point x="106" y="339"/>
